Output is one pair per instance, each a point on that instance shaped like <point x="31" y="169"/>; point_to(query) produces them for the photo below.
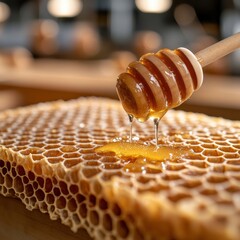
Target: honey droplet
<point x="144" y="158"/>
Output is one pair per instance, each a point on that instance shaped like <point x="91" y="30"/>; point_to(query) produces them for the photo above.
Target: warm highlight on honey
<point x="142" y="158"/>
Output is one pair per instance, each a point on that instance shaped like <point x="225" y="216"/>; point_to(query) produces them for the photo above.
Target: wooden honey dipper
<point x="164" y="80"/>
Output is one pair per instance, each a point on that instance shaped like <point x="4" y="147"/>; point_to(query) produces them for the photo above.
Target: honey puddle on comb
<point x="144" y="158"/>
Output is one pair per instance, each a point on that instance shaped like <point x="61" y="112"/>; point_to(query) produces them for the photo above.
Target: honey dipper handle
<point x="218" y="50"/>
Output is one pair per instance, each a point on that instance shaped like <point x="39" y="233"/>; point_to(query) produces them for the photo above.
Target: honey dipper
<point x="164" y="80"/>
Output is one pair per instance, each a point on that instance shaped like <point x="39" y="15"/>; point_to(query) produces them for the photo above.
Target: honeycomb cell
<point x="32" y="151"/>
<point x="54" y="160"/>
<point x="38" y="144"/>
<point x="72" y="205"/>
<point x="112" y="166"/>
<point x="198" y="164"/>
<point x="29" y="190"/>
<point x="231" y="156"/>
<point x="138" y="235"/>
<point x="122" y="229"/>
<point x="1" y="164"/>
<point x="20" y="170"/>
<point x="37" y="168"/>
<point x="85" y="188"/>
<point x="80" y="198"/>
<point x="1" y="179"/>
<point x="107" y="222"/>
<point x="25" y="180"/>
<point x="97" y="188"/>
<point x="4" y="171"/>
<point x="192" y="184"/>
<point x="40" y="181"/>
<point x="8" y="181"/>
<point x="13" y="172"/>
<point x="50" y="198"/>
<point x="233" y="189"/>
<point x="68" y="149"/>
<point x="209" y="192"/>
<point x="90" y="157"/>
<point x="61" y="203"/>
<point x="90" y="172"/>
<point x="85" y="145"/>
<point x="103" y="204"/>
<point x="71" y="155"/>
<point x="43" y="207"/>
<point x="21" y="143"/>
<point x="94" y="217"/>
<point x="174" y="176"/>
<point x="56" y="191"/>
<point x="52" y="153"/>
<point x="40" y="195"/>
<point x="175" y="197"/>
<point x="52" y="141"/>
<point x="48" y="185"/>
<point x="69" y="163"/>
<point x="83" y="210"/>
<point x="194" y="172"/>
<point x="64" y="188"/>
<point x="209" y="146"/>
<point x="76" y="219"/>
<point x="74" y="189"/>
<point x="92" y="200"/>
<point x="116" y="209"/>
<point x="18" y="184"/>
<point x="217" y="179"/>
<point x="37" y="157"/>
<point x="33" y="201"/>
<point x="86" y="151"/>
<point x="52" y="146"/>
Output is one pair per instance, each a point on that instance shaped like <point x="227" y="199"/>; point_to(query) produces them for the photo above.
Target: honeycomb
<point x="48" y="161"/>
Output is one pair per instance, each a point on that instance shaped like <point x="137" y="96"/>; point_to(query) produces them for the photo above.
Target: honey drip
<point x="144" y="158"/>
<point x="131" y="118"/>
<point x="156" y="122"/>
<point x="156" y="119"/>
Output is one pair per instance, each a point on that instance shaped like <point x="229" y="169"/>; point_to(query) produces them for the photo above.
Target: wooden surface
<point x="218" y="96"/>
<point x="18" y="223"/>
<point x="94" y="77"/>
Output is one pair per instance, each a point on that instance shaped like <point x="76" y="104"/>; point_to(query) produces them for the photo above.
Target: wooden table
<point x="47" y="80"/>
<point x="18" y="223"/>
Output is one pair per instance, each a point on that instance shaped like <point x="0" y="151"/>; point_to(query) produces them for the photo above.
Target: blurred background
<point x="64" y="49"/>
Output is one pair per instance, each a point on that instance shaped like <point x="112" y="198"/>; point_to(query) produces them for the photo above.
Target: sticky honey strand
<point x="157" y="82"/>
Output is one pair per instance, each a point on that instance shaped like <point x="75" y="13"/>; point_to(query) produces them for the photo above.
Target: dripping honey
<point x="148" y="105"/>
<point x="144" y="158"/>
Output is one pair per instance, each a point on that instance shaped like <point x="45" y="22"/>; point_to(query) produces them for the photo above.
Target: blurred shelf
<point x="9" y="99"/>
<point x="52" y="79"/>
<point x="223" y="91"/>
<point x="218" y="96"/>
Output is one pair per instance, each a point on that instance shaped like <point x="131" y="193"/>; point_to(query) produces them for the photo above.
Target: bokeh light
<point x="153" y="6"/>
<point x="65" y="8"/>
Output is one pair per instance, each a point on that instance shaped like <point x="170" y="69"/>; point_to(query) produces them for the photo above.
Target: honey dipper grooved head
<point x="159" y="81"/>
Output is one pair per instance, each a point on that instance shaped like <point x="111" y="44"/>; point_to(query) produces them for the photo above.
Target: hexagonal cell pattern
<point x="48" y="160"/>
